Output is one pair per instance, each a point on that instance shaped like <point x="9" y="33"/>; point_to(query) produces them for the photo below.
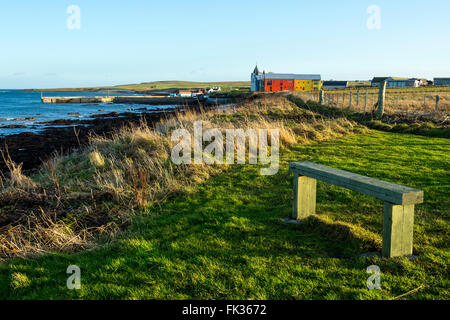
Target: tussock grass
<point x="47" y="235"/>
<point x="16" y="178"/>
<point x="96" y="191"/>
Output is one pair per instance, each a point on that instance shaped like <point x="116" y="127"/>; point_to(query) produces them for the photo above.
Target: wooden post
<point x="337" y="99"/>
<point x="332" y="98"/>
<point x="365" y="101"/>
<point x="321" y="97"/>
<point x="437" y="104"/>
<point x="398" y="222"/>
<point x="350" y="101"/>
<point x="357" y="97"/>
<point x="381" y="99"/>
<point x="304" y="197"/>
<point x="343" y="98"/>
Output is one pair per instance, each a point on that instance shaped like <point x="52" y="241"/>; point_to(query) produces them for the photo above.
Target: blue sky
<point x="135" y="41"/>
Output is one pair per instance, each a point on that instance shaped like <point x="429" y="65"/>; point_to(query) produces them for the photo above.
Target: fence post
<point x="437" y="104"/>
<point x="365" y="101"/>
<point x="304" y="204"/>
<point x="357" y="97"/>
<point x="332" y="98"/>
<point x="337" y="100"/>
<point x="350" y="101"/>
<point x="321" y="97"/>
<point x="381" y="99"/>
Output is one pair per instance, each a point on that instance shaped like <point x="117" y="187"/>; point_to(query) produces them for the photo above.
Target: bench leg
<point x="398" y="223"/>
<point x="304" y="197"/>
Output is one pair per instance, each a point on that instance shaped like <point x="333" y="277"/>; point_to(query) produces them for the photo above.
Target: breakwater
<point x="149" y="100"/>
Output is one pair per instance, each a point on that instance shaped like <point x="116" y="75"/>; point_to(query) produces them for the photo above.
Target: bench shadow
<point x="255" y="228"/>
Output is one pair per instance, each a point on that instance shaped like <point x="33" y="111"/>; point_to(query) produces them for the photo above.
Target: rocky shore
<point x="64" y="135"/>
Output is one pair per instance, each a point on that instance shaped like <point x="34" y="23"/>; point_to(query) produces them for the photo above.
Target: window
<point x="269" y="83"/>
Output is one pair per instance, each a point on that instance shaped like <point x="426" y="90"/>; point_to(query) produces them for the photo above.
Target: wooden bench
<point x="399" y="201"/>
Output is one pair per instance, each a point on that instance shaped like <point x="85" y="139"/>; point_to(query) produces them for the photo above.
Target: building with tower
<point x="275" y="82"/>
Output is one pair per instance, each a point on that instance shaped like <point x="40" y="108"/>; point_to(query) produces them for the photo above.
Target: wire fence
<point x="408" y="102"/>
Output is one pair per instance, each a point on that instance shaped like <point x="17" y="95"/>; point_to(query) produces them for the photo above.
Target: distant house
<point x="442" y="81"/>
<point x="184" y="94"/>
<point x="335" y="85"/>
<point x="396" y="82"/>
<point x="423" y="82"/>
<point x="377" y="80"/>
<point x="215" y="89"/>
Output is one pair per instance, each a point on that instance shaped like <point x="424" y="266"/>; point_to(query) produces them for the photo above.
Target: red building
<point x="274" y="85"/>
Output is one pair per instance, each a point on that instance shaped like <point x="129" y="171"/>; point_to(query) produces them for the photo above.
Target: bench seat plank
<point x="383" y="190"/>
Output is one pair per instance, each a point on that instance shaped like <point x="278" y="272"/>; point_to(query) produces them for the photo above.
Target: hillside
<point x="159" y="85"/>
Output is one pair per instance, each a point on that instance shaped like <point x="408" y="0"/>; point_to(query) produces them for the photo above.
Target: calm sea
<point x="15" y="105"/>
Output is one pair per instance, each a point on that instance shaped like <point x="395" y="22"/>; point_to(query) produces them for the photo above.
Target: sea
<point x="16" y="105"/>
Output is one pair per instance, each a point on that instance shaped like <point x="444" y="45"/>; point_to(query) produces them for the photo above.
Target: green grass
<point x="224" y="239"/>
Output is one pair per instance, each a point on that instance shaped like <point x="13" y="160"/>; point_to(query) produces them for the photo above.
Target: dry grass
<point x="31" y="239"/>
<point x="16" y="178"/>
<point x="96" y="191"/>
<point x="397" y="103"/>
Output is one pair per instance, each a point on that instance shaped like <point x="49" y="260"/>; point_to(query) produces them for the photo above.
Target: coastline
<point x="64" y="135"/>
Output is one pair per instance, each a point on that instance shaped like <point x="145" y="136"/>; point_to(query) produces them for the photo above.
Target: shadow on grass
<point x="244" y="211"/>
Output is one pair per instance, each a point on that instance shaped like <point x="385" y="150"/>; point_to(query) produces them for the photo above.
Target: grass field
<point x="407" y="107"/>
<point x="411" y="101"/>
<point x="159" y="85"/>
<point x="224" y="238"/>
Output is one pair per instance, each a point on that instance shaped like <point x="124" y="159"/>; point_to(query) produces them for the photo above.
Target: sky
<point x="134" y="41"/>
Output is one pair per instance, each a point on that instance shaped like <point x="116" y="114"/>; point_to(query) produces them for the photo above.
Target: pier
<point x="77" y="99"/>
<point x="150" y="100"/>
